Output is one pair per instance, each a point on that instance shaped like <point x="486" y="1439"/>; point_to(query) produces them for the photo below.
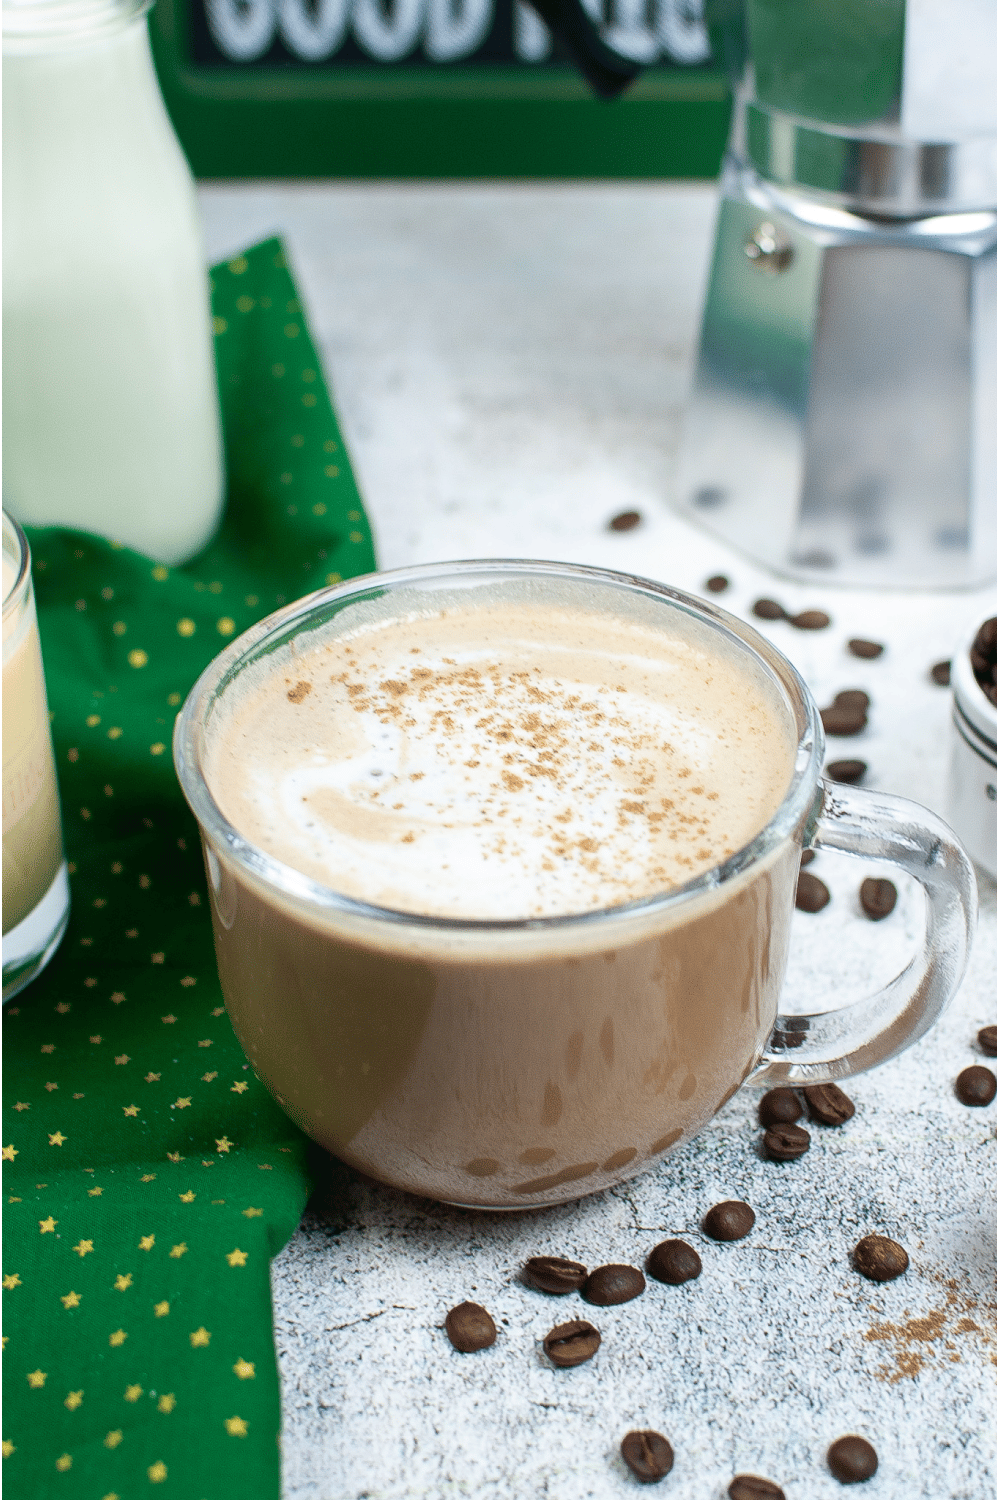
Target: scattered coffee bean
<point x="769" y="609"/>
<point x="785" y="1142"/>
<point x="550" y="1273"/>
<point x="570" y="1344"/>
<point x="849" y="772"/>
<point x="855" y="698"/>
<point x="807" y="857"/>
<point x="941" y="673"/>
<point x="880" y="1259"/>
<point x="674" y="1262"/>
<point x="810" y="619"/>
<point x="610" y="1285"/>
<point x="717" y="584"/>
<point x="731" y="1220"/>
<point x="810" y="893"/>
<point x="987" y="1038"/>
<point x="627" y="520"/>
<point x="852" y="1460"/>
<point x="752" y="1487"/>
<point x="470" y="1328"/>
<point x="983" y="657"/>
<point x="782" y="1038"/>
<point x="779" y="1107"/>
<point x="976" y="1086"/>
<point x="648" y="1455"/>
<point x="827" y="1104"/>
<point x="840" y="721"/>
<point x="878" y="899"/>
<point x="867" y="650"/>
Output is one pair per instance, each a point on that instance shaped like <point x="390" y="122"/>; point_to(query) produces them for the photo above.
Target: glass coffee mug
<point x="516" y="1063"/>
<point x="35" y="885"/>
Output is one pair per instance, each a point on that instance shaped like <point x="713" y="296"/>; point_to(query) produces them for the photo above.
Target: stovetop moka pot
<point x="842" y="420"/>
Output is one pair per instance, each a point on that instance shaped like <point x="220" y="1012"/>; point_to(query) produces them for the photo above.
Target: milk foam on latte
<point x="500" y="760"/>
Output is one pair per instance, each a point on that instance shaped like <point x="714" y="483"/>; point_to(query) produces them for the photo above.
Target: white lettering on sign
<point x="390" y="33"/>
<point x="532" y="38"/>
<point x="630" y="33"/>
<point x="313" y="33"/>
<point x="681" y="31"/>
<point x="446" y="30"/>
<point x="455" y="28"/>
<point x="241" y="29"/>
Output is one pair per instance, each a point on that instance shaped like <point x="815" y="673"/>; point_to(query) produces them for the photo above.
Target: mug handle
<point x="836" y="1044"/>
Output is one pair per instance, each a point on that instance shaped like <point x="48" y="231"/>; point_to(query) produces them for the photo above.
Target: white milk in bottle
<point x="111" y="416"/>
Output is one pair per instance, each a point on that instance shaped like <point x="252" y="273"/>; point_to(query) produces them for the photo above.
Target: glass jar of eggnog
<point x="35" y="887"/>
<point x="111" y="416"/>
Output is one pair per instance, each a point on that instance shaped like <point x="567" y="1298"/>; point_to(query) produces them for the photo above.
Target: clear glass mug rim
<point x="189" y="744"/>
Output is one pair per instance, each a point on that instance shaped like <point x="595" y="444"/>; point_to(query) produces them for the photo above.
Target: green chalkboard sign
<point x="432" y="88"/>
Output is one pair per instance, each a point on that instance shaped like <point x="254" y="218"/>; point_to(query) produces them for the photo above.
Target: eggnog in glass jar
<point x="35" y="887"/>
<point x="111" y="419"/>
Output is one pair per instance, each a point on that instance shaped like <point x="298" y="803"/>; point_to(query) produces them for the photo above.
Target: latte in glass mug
<point x="502" y="862"/>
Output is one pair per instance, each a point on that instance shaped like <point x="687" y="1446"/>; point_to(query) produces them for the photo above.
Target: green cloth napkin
<point x="149" y="1177"/>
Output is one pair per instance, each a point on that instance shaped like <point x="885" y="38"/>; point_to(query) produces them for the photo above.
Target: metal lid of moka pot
<point x="886" y="107"/>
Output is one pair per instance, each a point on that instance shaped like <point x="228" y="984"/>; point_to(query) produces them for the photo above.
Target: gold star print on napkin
<point x="149" y="1177"/>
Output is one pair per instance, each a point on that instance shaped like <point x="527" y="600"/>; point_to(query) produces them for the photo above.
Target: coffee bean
<point x="609" y="1285"/>
<point x="752" y="1487"/>
<point x="986" y="637"/>
<point x="985" y="644"/>
<point x="810" y="619"/>
<point x="976" y="1085"/>
<point x="880" y="1259"/>
<point x="769" y="609"/>
<point x="627" y="520"/>
<point x="806" y="858"/>
<point x="827" y="1104"/>
<point x="717" y="584"/>
<point x="840" y="721"/>
<point x="470" y="1328"/>
<point x="983" y="657"/>
<point x="852" y="698"/>
<point x="867" y="650"/>
<point x="731" y="1220"/>
<point x="852" y="1460"/>
<point x="785" y="1142"/>
<point x="550" y="1273"/>
<point x="782" y="1039"/>
<point x="941" y="673"/>
<point x="810" y="893"/>
<point x="674" y="1262"/>
<point x="779" y="1107"/>
<point x="570" y="1344"/>
<point x="648" y="1455"/>
<point x="849" y="772"/>
<point x="987" y="1038"/>
<point x="878" y="899"/>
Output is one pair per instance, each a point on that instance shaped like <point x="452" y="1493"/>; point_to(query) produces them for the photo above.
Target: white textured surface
<point x="509" y="364"/>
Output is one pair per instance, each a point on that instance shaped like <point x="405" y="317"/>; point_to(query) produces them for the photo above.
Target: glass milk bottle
<point x="111" y="418"/>
<point x="35" y="888"/>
